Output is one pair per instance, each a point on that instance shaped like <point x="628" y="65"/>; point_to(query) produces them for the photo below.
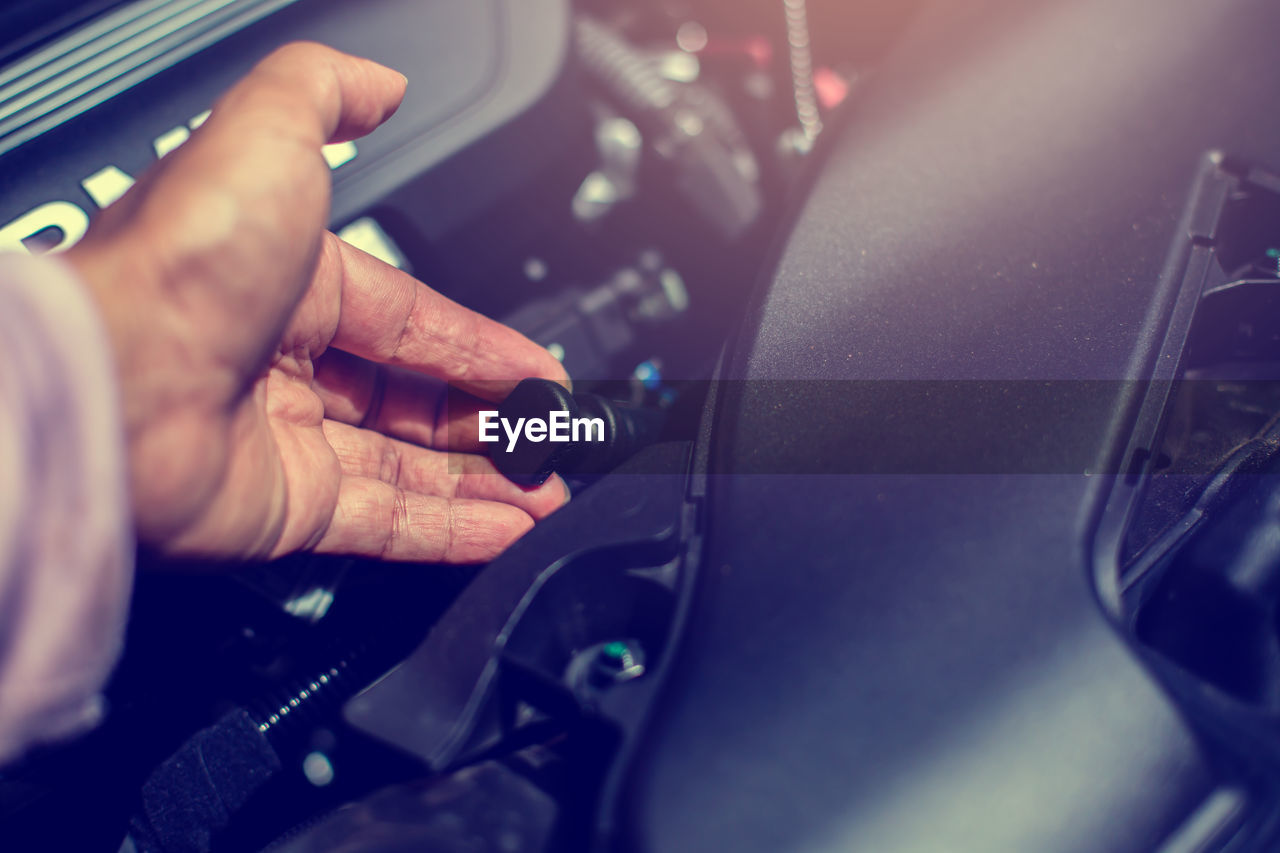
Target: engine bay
<point x="955" y="524"/>
<point x="603" y="178"/>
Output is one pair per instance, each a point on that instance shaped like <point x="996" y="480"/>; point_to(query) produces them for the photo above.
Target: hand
<point x="277" y="383"/>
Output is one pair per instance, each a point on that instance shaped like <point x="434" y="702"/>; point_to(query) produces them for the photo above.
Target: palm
<point x="308" y="472"/>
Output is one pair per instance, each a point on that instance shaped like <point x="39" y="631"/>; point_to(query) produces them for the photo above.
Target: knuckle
<point x="450" y="530"/>
<point x="408" y="328"/>
<point x="391" y="462"/>
<point x="398" y="527"/>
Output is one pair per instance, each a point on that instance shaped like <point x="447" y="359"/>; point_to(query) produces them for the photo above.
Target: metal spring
<point x="624" y="70"/>
<point x="801" y="54"/>
<point x="285" y="712"/>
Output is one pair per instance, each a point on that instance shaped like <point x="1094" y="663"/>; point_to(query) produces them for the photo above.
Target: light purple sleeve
<point x="66" y="546"/>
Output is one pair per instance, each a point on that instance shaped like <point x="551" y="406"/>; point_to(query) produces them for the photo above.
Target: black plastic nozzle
<point x="543" y="429"/>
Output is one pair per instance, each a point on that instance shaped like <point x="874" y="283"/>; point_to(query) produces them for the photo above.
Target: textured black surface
<point x="198" y="789"/>
<point x="918" y="662"/>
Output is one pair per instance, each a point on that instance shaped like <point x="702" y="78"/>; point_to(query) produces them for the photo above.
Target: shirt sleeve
<point x="66" y="542"/>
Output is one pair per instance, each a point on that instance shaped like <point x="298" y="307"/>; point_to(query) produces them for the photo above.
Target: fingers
<point x="369" y="455"/>
<point x="376" y="519"/>
<point x="399" y="403"/>
<point x="398" y="501"/>
<point x="389" y="317"/>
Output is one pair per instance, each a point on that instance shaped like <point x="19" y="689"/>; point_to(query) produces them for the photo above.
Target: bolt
<point x="617" y="662"/>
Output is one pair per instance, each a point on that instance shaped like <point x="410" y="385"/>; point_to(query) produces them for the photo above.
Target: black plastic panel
<point x="474" y="65"/>
<point x="917" y="661"/>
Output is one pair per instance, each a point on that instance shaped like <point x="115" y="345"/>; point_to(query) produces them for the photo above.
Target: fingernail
<point x="568" y="495"/>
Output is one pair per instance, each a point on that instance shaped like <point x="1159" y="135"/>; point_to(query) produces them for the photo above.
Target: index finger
<point x="390" y="317"/>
